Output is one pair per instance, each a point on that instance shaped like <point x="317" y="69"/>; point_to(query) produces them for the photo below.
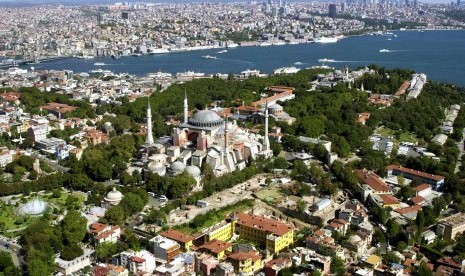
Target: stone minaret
<point x="226" y="134"/>
<point x="266" y="141"/>
<point x="185" y="107"/>
<point x="149" y="140"/>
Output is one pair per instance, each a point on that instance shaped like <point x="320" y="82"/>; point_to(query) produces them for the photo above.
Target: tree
<point x="73" y="227"/>
<point x="38" y="267"/>
<point x="115" y="215"/>
<point x="301" y="206"/>
<point x="422" y="270"/>
<point x="337" y="266"/>
<point x="105" y="250"/>
<point x="390" y="258"/>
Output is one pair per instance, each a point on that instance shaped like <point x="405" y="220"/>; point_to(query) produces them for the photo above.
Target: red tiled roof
<point x="373" y="180"/>
<point x="242" y="256"/>
<point x="421" y="187"/>
<point x="216" y="246"/>
<point x="389" y="199"/>
<point x="410" y="209"/>
<point x="137" y="259"/>
<point x="416" y="173"/>
<point x="177" y="236"/>
<point x="272" y="226"/>
<point x="418" y="199"/>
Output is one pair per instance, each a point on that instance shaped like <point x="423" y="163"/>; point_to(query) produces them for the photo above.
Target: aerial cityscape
<point x="232" y="138"/>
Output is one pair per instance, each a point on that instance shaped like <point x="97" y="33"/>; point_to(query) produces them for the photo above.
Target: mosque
<point x="205" y="138"/>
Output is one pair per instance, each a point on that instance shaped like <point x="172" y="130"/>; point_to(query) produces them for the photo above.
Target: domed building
<point x="113" y="197"/>
<point x="195" y="172"/>
<point x="157" y="164"/>
<point x="176" y="168"/>
<point x="206" y="119"/>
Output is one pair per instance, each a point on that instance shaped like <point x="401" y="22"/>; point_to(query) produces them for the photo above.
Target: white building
<point x="69" y="267"/>
<point x="138" y="262"/>
<point x="38" y="132"/>
<point x="6" y="156"/>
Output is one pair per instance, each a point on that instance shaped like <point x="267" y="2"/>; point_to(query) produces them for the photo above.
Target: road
<point x="54" y="165"/>
<point x="14" y="249"/>
<point x="460" y="146"/>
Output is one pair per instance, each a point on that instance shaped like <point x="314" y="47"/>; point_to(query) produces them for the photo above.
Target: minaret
<point x="226" y="134"/>
<point x="266" y="141"/>
<point x="149" y="140"/>
<point x="185" y="107"/>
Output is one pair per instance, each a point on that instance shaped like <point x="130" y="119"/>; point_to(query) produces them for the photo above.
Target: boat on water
<point x="136" y="54"/>
<point x="293" y="42"/>
<point x="264" y="43"/>
<point x="86" y="57"/>
<point x="232" y="45"/>
<point x="209" y="57"/>
<point x="298" y="63"/>
<point x="222" y="52"/>
<point x="100" y="71"/>
<point x="279" y="43"/>
<point x="115" y="56"/>
<point x="99" y="64"/>
<point x="384" y="51"/>
<point x="189" y="74"/>
<point x="323" y="60"/>
<point x="158" y="51"/>
<point x="324" y="40"/>
<point x="286" y="70"/>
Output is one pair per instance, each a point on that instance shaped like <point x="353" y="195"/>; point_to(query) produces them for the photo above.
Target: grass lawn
<point x="214" y="216"/>
<point x="403" y="137"/>
<point x="11" y="220"/>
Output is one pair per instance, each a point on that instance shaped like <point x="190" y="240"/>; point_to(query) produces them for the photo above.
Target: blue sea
<point x="438" y="54"/>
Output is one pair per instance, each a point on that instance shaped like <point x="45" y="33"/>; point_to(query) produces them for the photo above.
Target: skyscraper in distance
<point x="332" y="10"/>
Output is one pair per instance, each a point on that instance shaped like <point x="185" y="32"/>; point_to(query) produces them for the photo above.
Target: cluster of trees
<point x="132" y="203"/>
<point x="41" y="242"/>
<point x="7" y="266"/>
<point x="33" y="99"/>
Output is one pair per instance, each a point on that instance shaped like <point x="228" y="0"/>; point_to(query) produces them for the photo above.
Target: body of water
<point x="439" y="54"/>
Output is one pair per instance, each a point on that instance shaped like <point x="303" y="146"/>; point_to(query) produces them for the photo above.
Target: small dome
<point x="156" y="167"/>
<point x="114" y="196"/>
<point x="275" y="106"/>
<point x="355" y="239"/>
<point x="178" y="167"/>
<point x="193" y="171"/>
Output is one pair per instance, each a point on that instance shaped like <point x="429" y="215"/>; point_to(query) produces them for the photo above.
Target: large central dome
<point x="206" y="118"/>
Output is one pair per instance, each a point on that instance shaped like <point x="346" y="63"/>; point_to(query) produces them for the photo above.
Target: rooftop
<point x="177" y="236"/>
<point x="269" y="225"/>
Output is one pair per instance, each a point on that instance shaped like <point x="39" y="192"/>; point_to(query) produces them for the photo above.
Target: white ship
<point x="298" y="63"/>
<point x="264" y="43"/>
<point x="100" y="71"/>
<point x="158" y="51"/>
<point x="99" y="64"/>
<point x="87" y="57"/>
<point x="323" y="60"/>
<point x="279" y="43"/>
<point x="326" y="40"/>
<point x="222" y="52"/>
<point x="233" y="45"/>
<point x="384" y="51"/>
<point x="209" y="57"/>
<point x="159" y="75"/>
<point x="286" y="70"/>
<point x="136" y="55"/>
<point x="189" y="74"/>
<point x="293" y="42"/>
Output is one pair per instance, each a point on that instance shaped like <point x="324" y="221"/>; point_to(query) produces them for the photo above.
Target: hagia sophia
<point x="208" y="138"/>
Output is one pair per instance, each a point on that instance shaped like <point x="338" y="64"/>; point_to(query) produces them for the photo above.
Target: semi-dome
<point x="193" y="171"/>
<point x="178" y="167"/>
<point x="275" y="106"/>
<point x="114" y="197"/>
<point x="206" y="118"/>
<point x="156" y="167"/>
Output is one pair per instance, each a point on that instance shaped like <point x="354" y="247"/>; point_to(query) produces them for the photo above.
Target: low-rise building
<point x="163" y="248"/>
<point x="100" y="233"/>
<point x="216" y="248"/>
<point x="451" y="226"/>
<point x="274" y="234"/>
<point x="245" y="262"/>
<point x="436" y="181"/>
<point x="70" y="267"/>
<point x="184" y="240"/>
